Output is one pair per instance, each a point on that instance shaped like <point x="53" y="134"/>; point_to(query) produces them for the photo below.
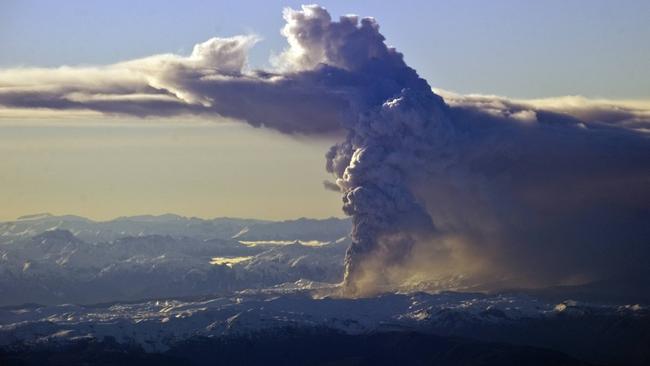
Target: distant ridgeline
<point x="69" y="259"/>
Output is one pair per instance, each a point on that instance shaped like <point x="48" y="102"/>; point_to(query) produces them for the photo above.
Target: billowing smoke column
<point x="398" y="123"/>
<point x="483" y="195"/>
<point x="471" y="191"/>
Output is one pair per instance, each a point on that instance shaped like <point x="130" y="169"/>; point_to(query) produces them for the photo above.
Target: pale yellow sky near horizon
<point x="102" y="168"/>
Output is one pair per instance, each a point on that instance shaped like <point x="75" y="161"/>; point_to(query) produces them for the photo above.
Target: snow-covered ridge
<point x="177" y="226"/>
<point x="158" y="324"/>
<point x="48" y="259"/>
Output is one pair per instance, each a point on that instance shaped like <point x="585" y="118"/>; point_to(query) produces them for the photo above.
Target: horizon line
<point x="40" y="215"/>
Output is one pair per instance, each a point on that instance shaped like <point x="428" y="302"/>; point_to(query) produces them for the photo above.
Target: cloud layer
<point x="213" y="80"/>
<point x="465" y="191"/>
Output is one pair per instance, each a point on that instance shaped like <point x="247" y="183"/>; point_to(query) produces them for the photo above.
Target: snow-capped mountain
<point x="158" y="325"/>
<point x="176" y="226"/>
<point x="47" y="259"/>
<point x="164" y="283"/>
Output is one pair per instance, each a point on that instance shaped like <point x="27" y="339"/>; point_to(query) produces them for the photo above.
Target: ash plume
<point x="461" y="192"/>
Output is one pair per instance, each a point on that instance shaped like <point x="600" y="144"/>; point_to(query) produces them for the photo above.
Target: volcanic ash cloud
<point x="461" y="192"/>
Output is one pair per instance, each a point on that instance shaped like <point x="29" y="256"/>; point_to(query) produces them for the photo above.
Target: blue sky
<point x="516" y="48"/>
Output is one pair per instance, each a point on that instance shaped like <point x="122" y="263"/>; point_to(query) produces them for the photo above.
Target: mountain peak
<point x="36" y="216"/>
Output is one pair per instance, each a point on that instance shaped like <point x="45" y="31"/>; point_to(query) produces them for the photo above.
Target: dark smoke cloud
<point x="211" y="81"/>
<point x="463" y="191"/>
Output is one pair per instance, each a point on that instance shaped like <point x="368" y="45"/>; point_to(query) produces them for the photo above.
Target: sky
<point x="506" y="47"/>
<point x="102" y="167"/>
<point x="106" y="170"/>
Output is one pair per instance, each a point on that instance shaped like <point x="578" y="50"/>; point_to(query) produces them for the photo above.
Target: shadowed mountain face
<point x="300" y="347"/>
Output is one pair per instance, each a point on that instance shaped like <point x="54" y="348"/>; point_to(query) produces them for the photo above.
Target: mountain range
<point x="69" y="259"/>
<point x="158" y="290"/>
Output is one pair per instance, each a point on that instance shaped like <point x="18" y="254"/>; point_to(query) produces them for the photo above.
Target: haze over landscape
<point x="335" y="191"/>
